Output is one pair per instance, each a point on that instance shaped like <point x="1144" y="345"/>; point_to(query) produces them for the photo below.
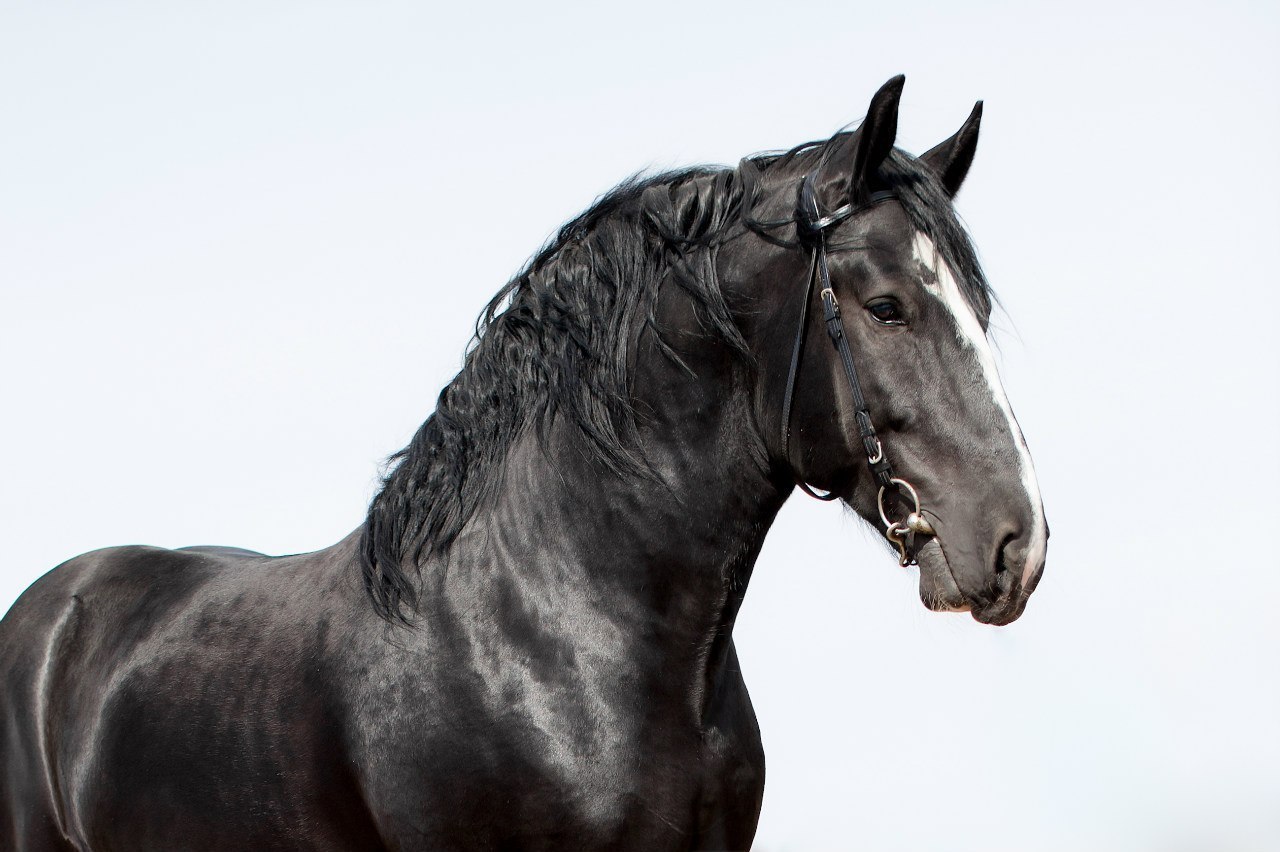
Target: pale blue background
<point x="242" y="246"/>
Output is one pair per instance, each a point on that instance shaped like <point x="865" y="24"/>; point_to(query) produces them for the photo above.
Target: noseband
<point x="811" y="226"/>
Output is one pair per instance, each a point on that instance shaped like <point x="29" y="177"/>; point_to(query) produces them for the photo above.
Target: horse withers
<point x="528" y="643"/>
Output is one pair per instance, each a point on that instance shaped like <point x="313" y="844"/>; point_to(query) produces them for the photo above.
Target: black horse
<point x="528" y="643"/>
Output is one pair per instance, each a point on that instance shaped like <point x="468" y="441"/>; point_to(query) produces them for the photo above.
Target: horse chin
<point x="938" y="587"/>
<point x="1001" y="612"/>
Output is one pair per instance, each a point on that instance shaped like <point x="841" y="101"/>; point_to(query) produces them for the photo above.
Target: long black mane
<point x="554" y="342"/>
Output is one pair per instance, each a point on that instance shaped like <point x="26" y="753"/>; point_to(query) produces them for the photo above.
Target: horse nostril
<point x="1004" y="558"/>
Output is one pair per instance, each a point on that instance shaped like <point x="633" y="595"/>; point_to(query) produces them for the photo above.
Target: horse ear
<point x="874" y="139"/>
<point x="951" y="159"/>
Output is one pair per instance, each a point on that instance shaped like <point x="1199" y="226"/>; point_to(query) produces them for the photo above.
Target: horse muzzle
<point x="992" y="595"/>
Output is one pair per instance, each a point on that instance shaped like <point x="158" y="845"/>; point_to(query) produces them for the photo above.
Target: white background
<point x="242" y="247"/>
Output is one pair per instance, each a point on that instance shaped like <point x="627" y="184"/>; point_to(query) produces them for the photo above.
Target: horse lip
<point x="938" y="587"/>
<point x="941" y="593"/>
<point x="1001" y="612"/>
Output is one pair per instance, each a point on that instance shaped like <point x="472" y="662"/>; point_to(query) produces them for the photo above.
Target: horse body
<point x="528" y="644"/>
<point x="570" y="683"/>
<point x="223" y="715"/>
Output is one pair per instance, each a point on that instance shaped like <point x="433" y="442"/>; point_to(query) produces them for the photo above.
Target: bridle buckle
<point x="878" y="456"/>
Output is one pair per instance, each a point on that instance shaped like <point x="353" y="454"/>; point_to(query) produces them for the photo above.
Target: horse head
<point x="853" y="238"/>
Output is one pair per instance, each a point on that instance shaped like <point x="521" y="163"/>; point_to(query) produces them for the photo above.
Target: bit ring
<point x="902" y="483"/>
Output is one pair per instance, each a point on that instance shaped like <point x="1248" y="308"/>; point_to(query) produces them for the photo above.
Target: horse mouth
<point x="938" y="589"/>
<point x="941" y="593"/>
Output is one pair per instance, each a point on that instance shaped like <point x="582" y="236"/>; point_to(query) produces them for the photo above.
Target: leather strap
<point x="811" y="225"/>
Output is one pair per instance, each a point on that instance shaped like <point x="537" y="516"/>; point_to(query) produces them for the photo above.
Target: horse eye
<point x="886" y="312"/>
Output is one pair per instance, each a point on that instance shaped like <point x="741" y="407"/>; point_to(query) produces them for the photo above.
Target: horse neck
<point x="665" y="557"/>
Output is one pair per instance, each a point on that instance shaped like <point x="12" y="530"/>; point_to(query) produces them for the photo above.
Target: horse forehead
<point x="941" y="280"/>
<point x="888" y="220"/>
<point x="887" y="233"/>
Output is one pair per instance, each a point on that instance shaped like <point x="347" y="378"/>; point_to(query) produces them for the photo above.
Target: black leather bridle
<point x="811" y="225"/>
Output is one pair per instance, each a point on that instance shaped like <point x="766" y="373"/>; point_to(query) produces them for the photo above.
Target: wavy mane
<point x="554" y="340"/>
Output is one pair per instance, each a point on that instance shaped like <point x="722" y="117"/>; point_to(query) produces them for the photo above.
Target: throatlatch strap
<point x="797" y="349"/>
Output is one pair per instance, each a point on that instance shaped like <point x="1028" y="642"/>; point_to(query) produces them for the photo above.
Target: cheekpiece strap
<point x="811" y="225"/>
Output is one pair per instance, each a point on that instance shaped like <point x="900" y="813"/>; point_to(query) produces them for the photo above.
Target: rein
<point x="812" y="225"/>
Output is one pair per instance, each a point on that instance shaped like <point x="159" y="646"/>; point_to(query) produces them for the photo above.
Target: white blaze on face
<point x="970" y="334"/>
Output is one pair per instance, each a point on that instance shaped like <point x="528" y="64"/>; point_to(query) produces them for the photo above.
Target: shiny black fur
<point x="554" y="342"/>
<point x="555" y="562"/>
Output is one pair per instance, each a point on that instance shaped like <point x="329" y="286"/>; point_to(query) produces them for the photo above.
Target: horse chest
<point x="590" y="764"/>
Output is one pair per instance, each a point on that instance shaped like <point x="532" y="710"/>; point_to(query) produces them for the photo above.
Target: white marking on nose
<point x="970" y="334"/>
